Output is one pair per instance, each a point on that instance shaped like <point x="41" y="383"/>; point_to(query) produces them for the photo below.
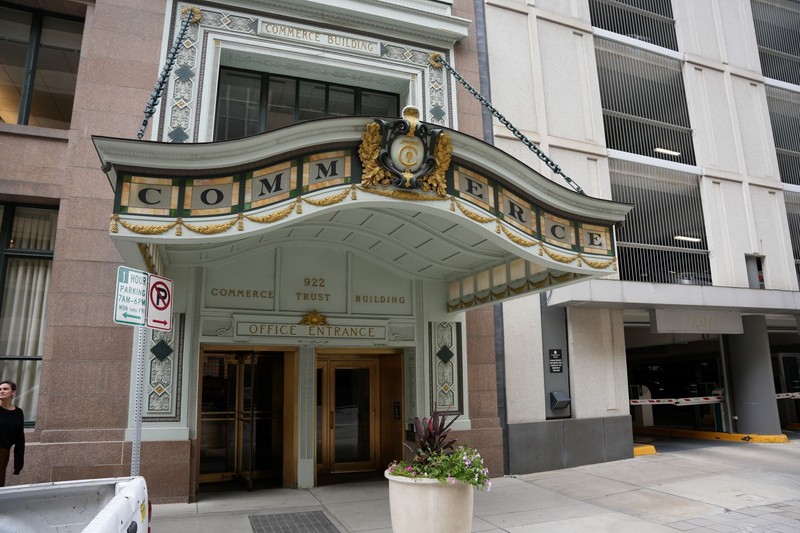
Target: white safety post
<point x="138" y="400"/>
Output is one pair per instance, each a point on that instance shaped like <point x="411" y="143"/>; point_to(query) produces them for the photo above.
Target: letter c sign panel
<point x="159" y="303"/>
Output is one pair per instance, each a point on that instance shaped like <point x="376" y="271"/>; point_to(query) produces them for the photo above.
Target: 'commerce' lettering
<point x="242" y="293"/>
<point x="595" y="239"/>
<point x="474" y="188"/>
<point x="516" y="211"/>
<point x="561" y="234"/>
<point x="329" y="172"/>
<point x="270" y="187"/>
<point x="143" y="195"/>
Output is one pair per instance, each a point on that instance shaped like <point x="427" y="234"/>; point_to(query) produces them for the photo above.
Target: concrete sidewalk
<point x="687" y="486"/>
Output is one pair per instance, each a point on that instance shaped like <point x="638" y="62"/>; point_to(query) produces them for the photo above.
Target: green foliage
<point x="436" y="458"/>
<point x="431" y="437"/>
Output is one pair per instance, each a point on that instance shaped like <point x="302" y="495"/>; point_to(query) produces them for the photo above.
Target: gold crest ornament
<point x="314" y="318"/>
<point x="405" y="153"/>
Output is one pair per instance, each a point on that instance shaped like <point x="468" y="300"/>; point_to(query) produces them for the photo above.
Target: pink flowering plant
<point x="437" y="457"/>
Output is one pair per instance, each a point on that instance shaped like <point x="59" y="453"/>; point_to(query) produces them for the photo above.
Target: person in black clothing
<point x="12" y="432"/>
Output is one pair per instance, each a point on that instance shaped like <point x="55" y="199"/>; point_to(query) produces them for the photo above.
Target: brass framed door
<point x="241" y="417"/>
<point x="348" y="427"/>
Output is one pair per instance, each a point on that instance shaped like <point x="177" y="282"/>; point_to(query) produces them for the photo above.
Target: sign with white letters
<point x="131" y="297"/>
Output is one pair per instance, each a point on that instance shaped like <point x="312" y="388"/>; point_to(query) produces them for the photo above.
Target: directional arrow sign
<point x="159" y="303"/>
<point x="131" y="300"/>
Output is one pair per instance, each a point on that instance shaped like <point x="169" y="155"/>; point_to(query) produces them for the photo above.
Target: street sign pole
<point x="143" y="300"/>
<point x="136" y="447"/>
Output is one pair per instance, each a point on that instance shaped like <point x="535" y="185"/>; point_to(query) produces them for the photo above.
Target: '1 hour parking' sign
<point x="131" y="297"/>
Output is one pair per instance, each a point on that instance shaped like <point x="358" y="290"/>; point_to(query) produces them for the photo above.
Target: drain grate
<point x="305" y="522"/>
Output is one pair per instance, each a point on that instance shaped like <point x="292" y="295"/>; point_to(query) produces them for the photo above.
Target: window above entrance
<point x="251" y="102"/>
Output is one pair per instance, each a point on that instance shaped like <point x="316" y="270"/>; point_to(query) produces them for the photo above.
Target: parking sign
<point x="131" y="297"/>
<point x="159" y="303"/>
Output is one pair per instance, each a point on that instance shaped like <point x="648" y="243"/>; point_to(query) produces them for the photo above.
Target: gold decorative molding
<point x="368" y="151"/>
<point x="330" y="200"/>
<point x="197" y="16"/>
<point x="148" y="259"/>
<point x="433" y="60"/>
<point x="516" y="239"/>
<point x="314" y="319"/>
<point x="597" y="264"/>
<point x="405" y="195"/>
<point x="562" y="278"/>
<point x="411" y="114"/>
<point x="272" y="217"/>
<point x="472" y="215"/>
<point x="561" y="258"/>
<point x="374" y="173"/>
<point x="147" y="229"/>
<point x="211" y="229"/>
<point x="436" y="180"/>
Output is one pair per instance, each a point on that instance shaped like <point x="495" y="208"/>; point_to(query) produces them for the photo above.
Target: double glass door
<point x="241" y="418"/>
<point x="347" y="414"/>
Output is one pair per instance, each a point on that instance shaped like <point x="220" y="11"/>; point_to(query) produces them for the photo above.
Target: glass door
<point x="347" y="415"/>
<point x="218" y="418"/>
<point x="241" y="417"/>
<point x="245" y="419"/>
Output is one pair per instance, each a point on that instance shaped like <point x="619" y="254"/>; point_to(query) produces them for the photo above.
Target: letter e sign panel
<point x="159" y="303"/>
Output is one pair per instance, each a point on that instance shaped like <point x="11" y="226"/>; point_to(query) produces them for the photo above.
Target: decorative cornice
<point x="409" y="19"/>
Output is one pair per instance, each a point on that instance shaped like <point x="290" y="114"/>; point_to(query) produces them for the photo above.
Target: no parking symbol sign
<point x="159" y="303"/>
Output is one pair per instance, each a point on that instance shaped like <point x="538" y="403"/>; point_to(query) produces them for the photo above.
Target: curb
<point x="712" y="435"/>
<point x="643" y="449"/>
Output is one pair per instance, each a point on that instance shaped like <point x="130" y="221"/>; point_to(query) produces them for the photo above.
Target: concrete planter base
<point x="427" y="504"/>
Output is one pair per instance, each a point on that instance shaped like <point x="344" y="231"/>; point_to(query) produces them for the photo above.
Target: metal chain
<point x="437" y="61"/>
<point x="190" y="15"/>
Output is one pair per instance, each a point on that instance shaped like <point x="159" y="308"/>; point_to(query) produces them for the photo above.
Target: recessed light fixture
<point x="666" y="152"/>
<point x="687" y="239"/>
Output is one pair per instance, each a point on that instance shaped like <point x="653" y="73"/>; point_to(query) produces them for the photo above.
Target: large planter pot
<point x="427" y="505"/>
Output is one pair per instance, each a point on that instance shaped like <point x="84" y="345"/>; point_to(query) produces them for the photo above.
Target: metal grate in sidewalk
<point x="304" y="522"/>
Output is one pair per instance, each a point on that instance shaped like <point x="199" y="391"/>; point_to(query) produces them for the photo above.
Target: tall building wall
<point x="82" y="391"/>
<point x="561" y="79"/>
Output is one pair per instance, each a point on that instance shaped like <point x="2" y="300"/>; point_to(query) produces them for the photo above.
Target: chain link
<point x="437" y="61"/>
<point x="190" y="16"/>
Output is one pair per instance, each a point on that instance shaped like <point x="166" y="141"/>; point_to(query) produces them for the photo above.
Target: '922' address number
<point x="314" y="282"/>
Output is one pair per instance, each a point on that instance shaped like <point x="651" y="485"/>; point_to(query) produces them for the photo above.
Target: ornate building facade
<point x="338" y="234"/>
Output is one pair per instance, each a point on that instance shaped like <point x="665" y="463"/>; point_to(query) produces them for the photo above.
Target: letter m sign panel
<point x="159" y="303"/>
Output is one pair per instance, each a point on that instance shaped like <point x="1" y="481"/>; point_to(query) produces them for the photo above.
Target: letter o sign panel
<point x="159" y="303"/>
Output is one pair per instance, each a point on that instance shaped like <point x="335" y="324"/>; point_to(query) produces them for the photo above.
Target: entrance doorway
<point x="241" y="430"/>
<point x="359" y="419"/>
<point x="675" y="367"/>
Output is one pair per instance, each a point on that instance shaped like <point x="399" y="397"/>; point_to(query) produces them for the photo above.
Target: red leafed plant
<point x="436" y="457"/>
<point x="431" y="437"/>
